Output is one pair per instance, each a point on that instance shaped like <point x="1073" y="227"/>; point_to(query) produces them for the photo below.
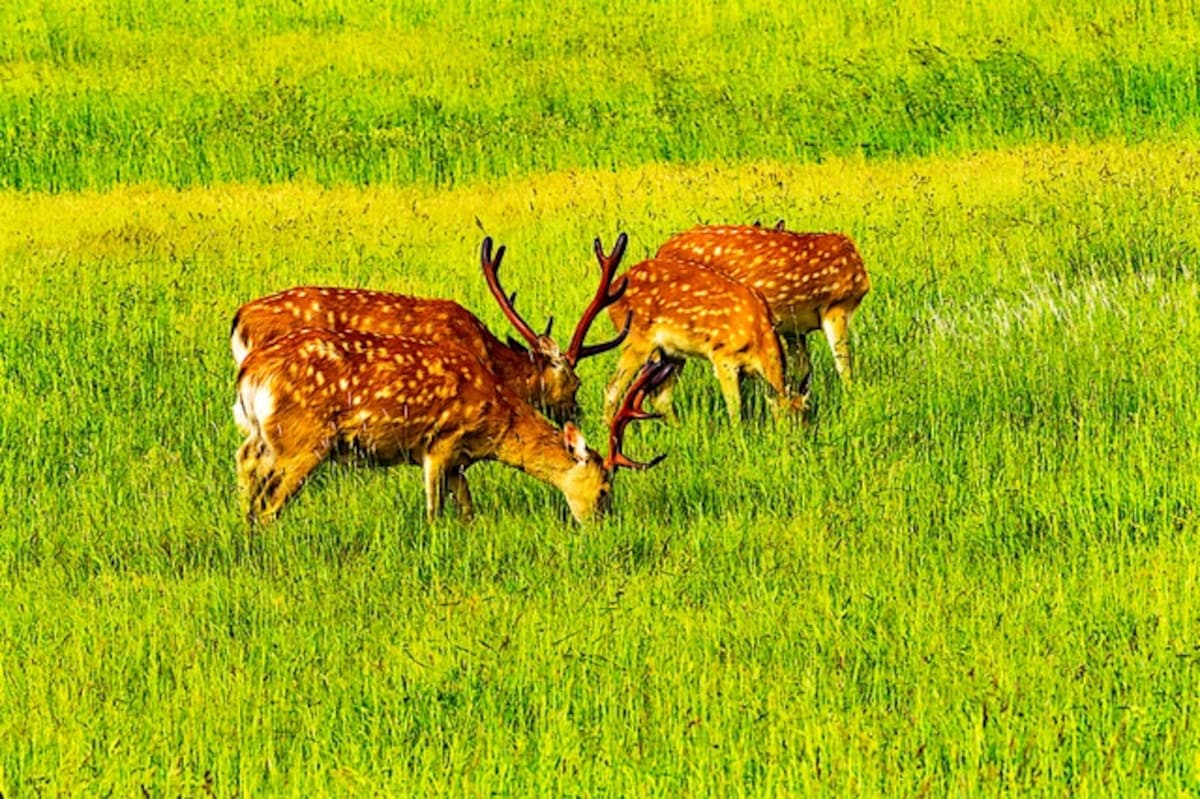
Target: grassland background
<point x="973" y="575"/>
<point x="335" y="91"/>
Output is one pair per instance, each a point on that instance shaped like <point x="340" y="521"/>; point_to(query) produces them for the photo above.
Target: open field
<point x="97" y="92"/>
<point x="973" y="575"/>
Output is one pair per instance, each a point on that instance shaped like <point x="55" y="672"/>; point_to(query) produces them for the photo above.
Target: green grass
<point x="973" y="575"/>
<point x="94" y="94"/>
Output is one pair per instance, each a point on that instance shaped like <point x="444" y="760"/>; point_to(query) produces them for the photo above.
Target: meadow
<point x="336" y="91"/>
<point x="971" y="574"/>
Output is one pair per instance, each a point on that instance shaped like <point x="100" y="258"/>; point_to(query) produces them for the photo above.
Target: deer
<point x="313" y="395"/>
<point x="541" y="372"/>
<point x="811" y="281"/>
<point x="677" y="309"/>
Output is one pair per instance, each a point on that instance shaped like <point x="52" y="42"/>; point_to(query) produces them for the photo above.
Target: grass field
<point x="122" y="91"/>
<point x="971" y="575"/>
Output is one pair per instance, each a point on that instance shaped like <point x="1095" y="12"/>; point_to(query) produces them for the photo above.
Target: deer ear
<point x="573" y="438"/>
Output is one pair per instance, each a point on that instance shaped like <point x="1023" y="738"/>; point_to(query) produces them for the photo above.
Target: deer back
<point x="539" y="375"/>
<point x="265" y="319"/>
<point x="799" y="274"/>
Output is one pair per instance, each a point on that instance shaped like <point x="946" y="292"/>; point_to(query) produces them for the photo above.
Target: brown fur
<point x="313" y="394"/>
<point x="541" y="376"/>
<point x="810" y="280"/>
<point x="684" y="310"/>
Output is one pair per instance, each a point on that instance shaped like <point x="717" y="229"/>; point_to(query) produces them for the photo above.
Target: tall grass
<point x="971" y="575"/>
<point x="186" y="93"/>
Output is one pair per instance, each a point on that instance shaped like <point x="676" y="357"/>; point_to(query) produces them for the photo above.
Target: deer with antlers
<point x="680" y="310"/>
<point x="315" y="394"/>
<point x="810" y="280"/>
<point x="542" y="373"/>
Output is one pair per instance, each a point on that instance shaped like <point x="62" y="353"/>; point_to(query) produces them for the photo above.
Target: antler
<point x="606" y="295"/>
<point x="490" y="268"/>
<point x="651" y="376"/>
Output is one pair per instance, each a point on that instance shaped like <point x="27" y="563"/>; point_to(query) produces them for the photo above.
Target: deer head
<point x="553" y="370"/>
<point x="589" y="491"/>
<point x="315" y="394"/>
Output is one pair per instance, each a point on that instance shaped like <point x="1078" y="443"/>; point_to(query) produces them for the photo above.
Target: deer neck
<point x="536" y="447"/>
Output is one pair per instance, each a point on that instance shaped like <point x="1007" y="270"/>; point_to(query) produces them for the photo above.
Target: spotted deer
<point x="541" y="373"/>
<point x="314" y="394"/>
<point x="680" y="310"/>
<point x="810" y="280"/>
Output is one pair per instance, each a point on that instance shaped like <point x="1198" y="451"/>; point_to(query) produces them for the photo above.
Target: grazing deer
<point x="315" y="394"/>
<point x="811" y="280"/>
<point x="683" y="310"/>
<point x="541" y="374"/>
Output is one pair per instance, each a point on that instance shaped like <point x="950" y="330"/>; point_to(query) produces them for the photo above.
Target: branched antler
<point x="606" y="295"/>
<point x="652" y="375"/>
<point x="491" y="267"/>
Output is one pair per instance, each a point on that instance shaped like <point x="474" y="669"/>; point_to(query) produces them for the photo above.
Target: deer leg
<point x="729" y="376"/>
<point x="435" y="485"/>
<point x="443" y="470"/>
<point x="835" y="322"/>
<point x="457" y="482"/>
<point x="627" y="365"/>
<point x="281" y="480"/>
<point x="248" y="457"/>
<point x="660" y="400"/>
<point x="801" y="370"/>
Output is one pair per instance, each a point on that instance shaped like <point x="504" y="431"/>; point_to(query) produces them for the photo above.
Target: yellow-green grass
<point x="99" y="92"/>
<point x="973" y="575"/>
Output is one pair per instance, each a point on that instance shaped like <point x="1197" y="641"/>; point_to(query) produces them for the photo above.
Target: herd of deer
<point x="351" y="373"/>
